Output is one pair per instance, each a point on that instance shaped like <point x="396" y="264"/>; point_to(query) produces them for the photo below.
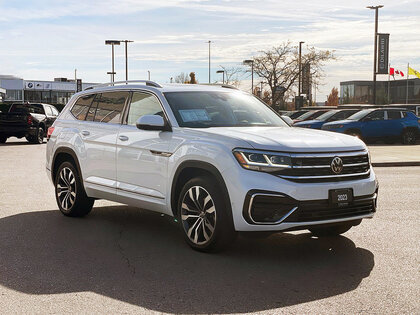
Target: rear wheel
<point x="38" y="138"/>
<point x="205" y="215"/>
<point x="409" y="137"/>
<point x="69" y="192"/>
<point x="331" y="230"/>
<point x="3" y="139"/>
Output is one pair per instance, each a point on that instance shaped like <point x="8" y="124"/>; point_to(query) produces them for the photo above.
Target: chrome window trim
<point x="324" y="176"/>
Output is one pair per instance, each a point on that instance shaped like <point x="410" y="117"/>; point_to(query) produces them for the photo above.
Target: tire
<point x="331" y="230"/>
<point x="3" y="139"/>
<point x="205" y="215"/>
<point x="409" y="137"/>
<point x="38" y="138"/>
<point x="69" y="192"/>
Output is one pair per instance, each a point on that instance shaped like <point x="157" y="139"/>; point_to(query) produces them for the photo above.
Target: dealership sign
<point x="383" y="54"/>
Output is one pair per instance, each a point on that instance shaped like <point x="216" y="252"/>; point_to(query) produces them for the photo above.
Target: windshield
<point x="306" y="115"/>
<point x="359" y="115"/>
<point x="220" y="109"/>
<point x="327" y="115"/>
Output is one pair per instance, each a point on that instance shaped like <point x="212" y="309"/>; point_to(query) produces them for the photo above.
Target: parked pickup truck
<point x="27" y="120"/>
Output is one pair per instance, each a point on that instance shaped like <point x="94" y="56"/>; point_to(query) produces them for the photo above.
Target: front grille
<point x="321" y="210"/>
<point x="316" y="167"/>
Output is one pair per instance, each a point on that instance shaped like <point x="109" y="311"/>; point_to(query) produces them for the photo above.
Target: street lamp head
<point x="301" y="42"/>
<point x="248" y="62"/>
<point x="220" y="71"/>
<point x="375" y="6"/>
<point x="112" y="42"/>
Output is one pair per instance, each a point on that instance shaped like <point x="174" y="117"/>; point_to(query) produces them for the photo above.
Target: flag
<point x="393" y="72"/>
<point x="413" y="72"/>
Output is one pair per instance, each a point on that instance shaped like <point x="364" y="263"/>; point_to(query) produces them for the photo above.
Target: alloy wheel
<point x="66" y="188"/>
<point x="198" y="215"/>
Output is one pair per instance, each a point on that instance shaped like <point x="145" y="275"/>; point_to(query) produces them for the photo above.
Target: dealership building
<point x="395" y="91"/>
<point x="18" y="90"/>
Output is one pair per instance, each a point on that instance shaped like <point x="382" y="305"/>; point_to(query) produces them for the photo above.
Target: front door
<point x="142" y="156"/>
<point x="373" y="124"/>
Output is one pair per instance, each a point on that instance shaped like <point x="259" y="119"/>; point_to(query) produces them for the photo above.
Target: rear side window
<point x="143" y="104"/>
<point x="110" y="106"/>
<point x="393" y="114"/>
<point x="48" y="111"/>
<point x="81" y="107"/>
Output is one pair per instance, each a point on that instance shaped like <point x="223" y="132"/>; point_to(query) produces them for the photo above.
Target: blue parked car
<point x="329" y="116"/>
<point x="388" y="124"/>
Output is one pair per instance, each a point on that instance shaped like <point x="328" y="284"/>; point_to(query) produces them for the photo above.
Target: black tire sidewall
<point x="413" y="141"/>
<point x="224" y="231"/>
<point x="82" y="204"/>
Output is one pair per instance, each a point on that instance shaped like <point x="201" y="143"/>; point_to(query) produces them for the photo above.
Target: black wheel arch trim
<point x="69" y="151"/>
<point x="203" y="166"/>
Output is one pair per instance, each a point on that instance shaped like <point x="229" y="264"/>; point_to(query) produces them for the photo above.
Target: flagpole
<point x="406" y="96"/>
<point x="389" y="71"/>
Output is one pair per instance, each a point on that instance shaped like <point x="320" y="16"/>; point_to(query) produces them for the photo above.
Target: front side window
<point x="377" y="115"/>
<point x="143" y="104"/>
<point x="48" y="111"/>
<point x="110" y="106"/>
<point x="220" y="109"/>
<point x="81" y="106"/>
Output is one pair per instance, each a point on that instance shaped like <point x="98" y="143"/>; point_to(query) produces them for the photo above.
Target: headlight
<point x="262" y="161"/>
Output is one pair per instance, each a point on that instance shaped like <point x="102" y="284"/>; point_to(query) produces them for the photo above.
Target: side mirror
<point x="288" y="120"/>
<point x="151" y="122"/>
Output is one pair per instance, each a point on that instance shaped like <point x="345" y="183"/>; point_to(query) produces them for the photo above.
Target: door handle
<point x="85" y="133"/>
<point x="123" y="138"/>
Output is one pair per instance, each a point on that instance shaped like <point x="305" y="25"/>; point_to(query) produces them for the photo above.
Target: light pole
<point x="376" y="8"/>
<point x="126" y="41"/>
<point x="300" y="67"/>
<point x="112" y="43"/>
<point x="223" y="72"/>
<point x="250" y="62"/>
<point x="209" y="42"/>
<point x="75" y="80"/>
<point x="148" y="74"/>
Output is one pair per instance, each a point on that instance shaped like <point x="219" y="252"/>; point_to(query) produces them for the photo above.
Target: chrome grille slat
<point x="307" y="167"/>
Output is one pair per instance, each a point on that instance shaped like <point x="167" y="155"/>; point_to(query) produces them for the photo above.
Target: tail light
<point x="30" y="120"/>
<point x="49" y="132"/>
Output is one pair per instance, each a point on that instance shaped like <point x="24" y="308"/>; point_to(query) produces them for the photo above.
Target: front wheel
<point x="205" y="215"/>
<point x="38" y="138"/>
<point x="409" y="137"/>
<point x="69" y="192"/>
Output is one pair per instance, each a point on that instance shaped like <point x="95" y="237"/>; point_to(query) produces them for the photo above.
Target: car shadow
<point x="18" y="143"/>
<point x="140" y="257"/>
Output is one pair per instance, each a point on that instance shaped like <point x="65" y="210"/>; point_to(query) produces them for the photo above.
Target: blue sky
<point x="41" y="40"/>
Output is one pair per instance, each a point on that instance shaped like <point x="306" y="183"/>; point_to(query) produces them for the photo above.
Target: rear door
<point x="99" y="133"/>
<point x="394" y="123"/>
<point x="373" y="125"/>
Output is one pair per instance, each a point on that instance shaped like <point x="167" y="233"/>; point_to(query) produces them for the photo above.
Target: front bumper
<point x="307" y="203"/>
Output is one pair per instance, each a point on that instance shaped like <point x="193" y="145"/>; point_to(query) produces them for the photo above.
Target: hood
<point x="340" y="122"/>
<point x="309" y="122"/>
<point x="289" y="139"/>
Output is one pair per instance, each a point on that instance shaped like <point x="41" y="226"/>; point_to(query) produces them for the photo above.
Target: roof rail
<point x="147" y="82"/>
<point x="227" y="86"/>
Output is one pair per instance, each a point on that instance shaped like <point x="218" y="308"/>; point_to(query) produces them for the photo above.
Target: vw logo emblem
<point x="337" y="165"/>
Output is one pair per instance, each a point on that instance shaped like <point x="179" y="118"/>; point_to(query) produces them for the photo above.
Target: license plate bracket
<point x="341" y="197"/>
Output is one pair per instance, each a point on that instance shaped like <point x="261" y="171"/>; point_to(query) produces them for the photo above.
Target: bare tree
<point x="279" y="67"/>
<point x="181" y="78"/>
<point x="232" y="75"/>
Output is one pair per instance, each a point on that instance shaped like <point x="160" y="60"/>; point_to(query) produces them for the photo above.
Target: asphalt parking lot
<point x="124" y="260"/>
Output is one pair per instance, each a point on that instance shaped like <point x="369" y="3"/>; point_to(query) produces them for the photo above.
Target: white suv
<point x="217" y="159"/>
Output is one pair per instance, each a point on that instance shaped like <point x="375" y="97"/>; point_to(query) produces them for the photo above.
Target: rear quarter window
<point x="81" y="107"/>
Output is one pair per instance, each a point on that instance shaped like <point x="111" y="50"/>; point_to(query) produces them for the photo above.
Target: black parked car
<point x="27" y="120"/>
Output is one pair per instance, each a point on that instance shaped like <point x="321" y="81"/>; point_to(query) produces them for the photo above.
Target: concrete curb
<point x="396" y="164"/>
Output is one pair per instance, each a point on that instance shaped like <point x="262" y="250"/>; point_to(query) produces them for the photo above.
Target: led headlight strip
<point x="262" y="161"/>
